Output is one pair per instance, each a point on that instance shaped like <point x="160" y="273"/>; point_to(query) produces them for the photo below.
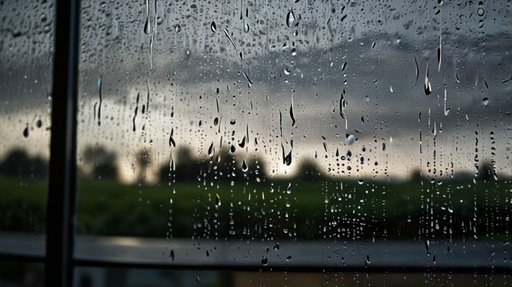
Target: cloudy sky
<point x="247" y="63"/>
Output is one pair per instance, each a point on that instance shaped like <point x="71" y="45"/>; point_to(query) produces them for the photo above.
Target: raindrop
<point x="218" y="203"/>
<point x="147" y="26"/>
<point x="291" y="115"/>
<point x="439" y="54"/>
<point x="288" y="158"/>
<point x="294" y="52"/>
<point x="215" y="121"/>
<point x="246" y="28"/>
<point x="264" y="261"/>
<point x="290" y="18"/>
<point x="213" y="27"/>
<point x="100" y="87"/>
<point x="343" y="66"/>
<point x="242" y="143"/>
<point x="426" y="85"/>
<point x="211" y="150"/>
<point x="39" y="123"/>
<point x="136" y="111"/>
<point x="485" y="101"/>
<point x="351" y="139"/>
<point x="245" y="167"/>
<point x="232" y="149"/>
<point x="480" y="11"/>
<point x="417" y="68"/>
<point x="367" y="260"/>
<point x="286" y="71"/>
<point x="172" y="143"/>
<point x="171" y="255"/>
<point x="226" y="32"/>
<point x="427" y="247"/>
<point x="177" y="28"/>
<point x="249" y="82"/>
<point x="25" y="131"/>
<point x="232" y="121"/>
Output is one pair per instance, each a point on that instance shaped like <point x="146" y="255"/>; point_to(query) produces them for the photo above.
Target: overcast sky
<point x="263" y="58"/>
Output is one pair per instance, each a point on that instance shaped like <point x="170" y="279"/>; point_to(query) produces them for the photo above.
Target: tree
<point x="143" y="160"/>
<point x="309" y="171"/>
<point x="100" y="163"/>
<point x="17" y="163"/>
<point x="487" y="171"/>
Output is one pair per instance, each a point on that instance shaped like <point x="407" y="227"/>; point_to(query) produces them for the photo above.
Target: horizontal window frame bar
<point x="103" y="251"/>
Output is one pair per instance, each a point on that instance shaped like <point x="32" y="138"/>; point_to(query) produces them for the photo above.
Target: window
<point x="286" y="143"/>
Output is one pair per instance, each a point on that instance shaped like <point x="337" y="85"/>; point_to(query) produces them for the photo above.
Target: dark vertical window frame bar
<point x="62" y="178"/>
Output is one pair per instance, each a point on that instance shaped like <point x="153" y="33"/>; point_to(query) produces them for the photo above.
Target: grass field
<point x="324" y="209"/>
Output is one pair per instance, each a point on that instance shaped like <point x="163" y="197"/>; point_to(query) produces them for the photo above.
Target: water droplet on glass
<point x="485" y="101"/>
<point x="288" y="158"/>
<point x="25" y="131"/>
<point x="211" y="150"/>
<point x="246" y="28"/>
<point x="264" y="261"/>
<point x="218" y="203"/>
<point x="177" y="28"/>
<point x="147" y="26"/>
<point x="290" y="18"/>
<point x="286" y="71"/>
<point x="242" y="143"/>
<point x="245" y="167"/>
<point x="294" y="52"/>
<point x="351" y="139"/>
<point x="213" y="27"/>
<point x="480" y="11"/>
<point x="39" y="123"/>
<point x="426" y="85"/>
<point x="291" y="115"/>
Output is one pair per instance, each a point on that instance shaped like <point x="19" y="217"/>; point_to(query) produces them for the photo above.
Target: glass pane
<point x="338" y="123"/>
<point x="26" y="41"/>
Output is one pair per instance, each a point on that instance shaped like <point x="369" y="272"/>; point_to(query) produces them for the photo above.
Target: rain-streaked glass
<point x="330" y="123"/>
<point x="26" y="53"/>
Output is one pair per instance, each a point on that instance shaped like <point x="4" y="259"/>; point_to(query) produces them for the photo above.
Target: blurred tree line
<point x="97" y="162"/>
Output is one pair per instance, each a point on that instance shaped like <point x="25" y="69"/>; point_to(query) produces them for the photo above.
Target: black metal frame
<point x="62" y="179"/>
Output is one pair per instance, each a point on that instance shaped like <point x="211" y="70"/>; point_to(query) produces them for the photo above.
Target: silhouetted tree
<point x="100" y="162"/>
<point x="308" y="171"/>
<point x="487" y="171"/>
<point x="17" y="163"/>
<point x="143" y="160"/>
<point x="416" y="175"/>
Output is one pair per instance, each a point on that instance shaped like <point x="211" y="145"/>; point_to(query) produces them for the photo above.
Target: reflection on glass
<point x="332" y="122"/>
<point x="26" y="40"/>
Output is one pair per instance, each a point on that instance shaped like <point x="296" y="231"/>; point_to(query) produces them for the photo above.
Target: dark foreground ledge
<point x="399" y="256"/>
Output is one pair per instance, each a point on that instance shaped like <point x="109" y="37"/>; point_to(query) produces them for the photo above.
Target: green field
<point x="326" y="208"/>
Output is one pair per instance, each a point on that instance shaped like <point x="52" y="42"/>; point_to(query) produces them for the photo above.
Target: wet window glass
<point x="26" y="41"/>
<point x="296" y="133"/>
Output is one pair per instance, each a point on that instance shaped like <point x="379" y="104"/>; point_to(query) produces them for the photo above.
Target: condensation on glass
<point x="333" y="122"/>
<point x="26" y="53"/>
